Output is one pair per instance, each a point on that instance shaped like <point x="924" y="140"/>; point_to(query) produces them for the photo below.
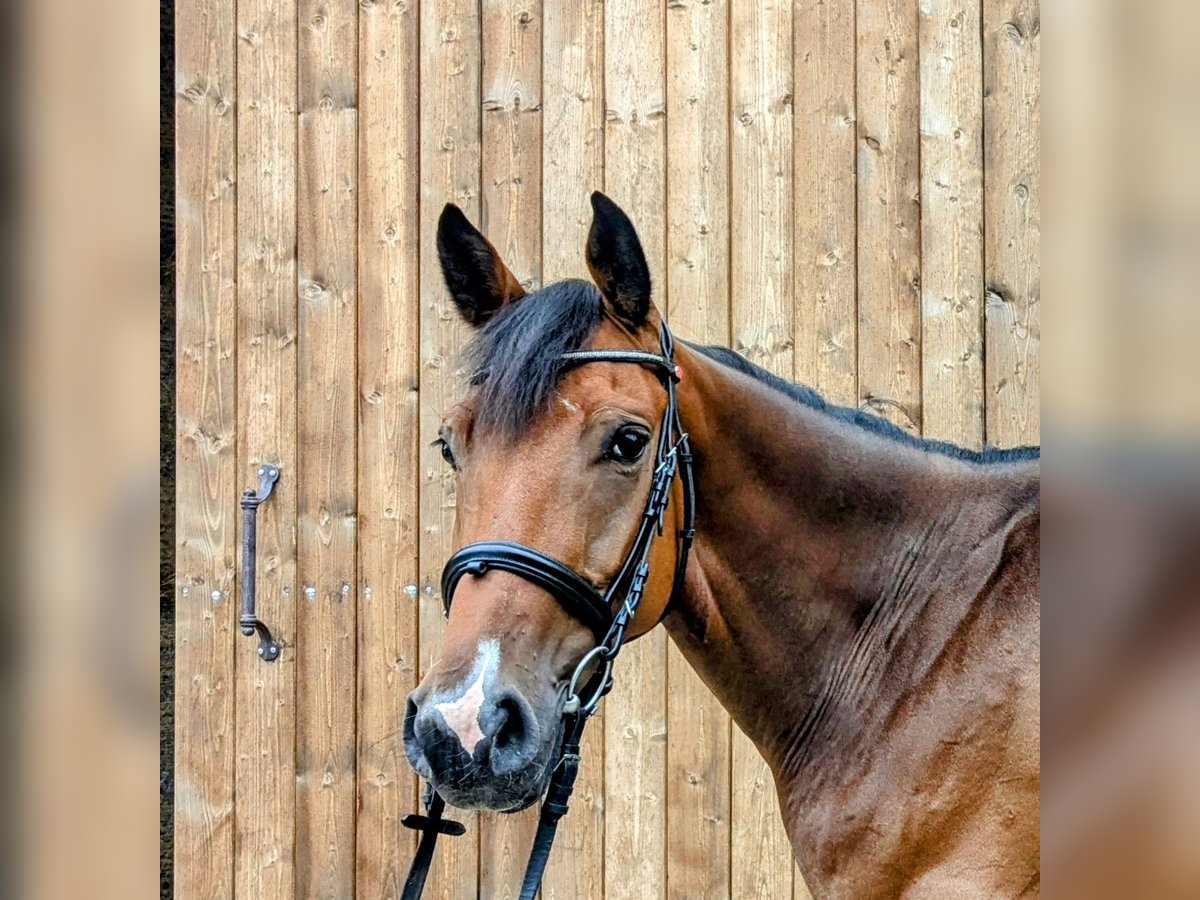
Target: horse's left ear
<point x="478" y="279"/>
<point x="617" y="263"/>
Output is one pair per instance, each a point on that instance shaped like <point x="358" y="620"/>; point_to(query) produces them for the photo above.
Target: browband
<point x="578" y="357"/>
<point x="576" y="594"/>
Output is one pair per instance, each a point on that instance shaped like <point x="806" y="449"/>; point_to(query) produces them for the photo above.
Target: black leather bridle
<point x="607" y="613"/>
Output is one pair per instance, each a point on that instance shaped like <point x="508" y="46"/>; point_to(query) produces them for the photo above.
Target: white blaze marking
<point x="461" y="711"/>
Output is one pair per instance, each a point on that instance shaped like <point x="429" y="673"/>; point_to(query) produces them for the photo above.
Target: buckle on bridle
<point x="637" y="587"/>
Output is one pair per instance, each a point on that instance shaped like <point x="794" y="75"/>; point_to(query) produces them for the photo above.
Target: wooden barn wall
<point x="846" y="191"/>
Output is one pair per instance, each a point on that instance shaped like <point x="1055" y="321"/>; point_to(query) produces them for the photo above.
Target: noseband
<point x="607" y="613"/>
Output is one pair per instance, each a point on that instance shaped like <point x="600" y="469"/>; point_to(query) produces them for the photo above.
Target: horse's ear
<point x="616" y="261"/>
<point x="478" y="280"/>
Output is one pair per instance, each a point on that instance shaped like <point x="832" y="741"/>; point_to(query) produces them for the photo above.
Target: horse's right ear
<point x="617" y="263"/>
<point x="477" y="278"/>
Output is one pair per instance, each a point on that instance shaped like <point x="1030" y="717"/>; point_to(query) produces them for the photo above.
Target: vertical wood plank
<point x="1012" y="212"/>
<point x="573" y="131"/>
<point x="762" y="323"/>
<point x="761" y="141"/>
<point x="825" y="212"/>
<point x="698" y="728"/>
<point x="889" y="212"/>
<point x="205" y="445"/>
<point x="388" y="403"/>
<point x="952" y="220"/>
<point x="826" y="222"/>
<point x="635" y="716"/>
<point x="450" y="172"/>
<point x="326" y="430"/>
<point x="573" y="167"/>
<point x="512" y="211"/>
<point x="267" y="335"/>
<point x="512" y="134"/>
<point x="698" y="169"/>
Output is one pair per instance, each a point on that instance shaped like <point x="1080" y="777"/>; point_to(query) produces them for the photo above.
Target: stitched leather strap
<point x="574" y="593"/>
<point x="579" y="357"/>
<point x="430" y="826"/>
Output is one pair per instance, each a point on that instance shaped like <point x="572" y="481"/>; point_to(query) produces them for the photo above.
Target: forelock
<point x="514" y="358"/>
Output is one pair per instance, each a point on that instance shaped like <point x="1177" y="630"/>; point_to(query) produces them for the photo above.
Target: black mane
<point x="514" y="359"/>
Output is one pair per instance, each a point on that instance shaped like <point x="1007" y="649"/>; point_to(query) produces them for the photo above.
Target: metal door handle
<point x="268" y="647"/>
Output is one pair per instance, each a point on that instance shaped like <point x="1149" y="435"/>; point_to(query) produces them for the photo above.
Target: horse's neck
<point x="819" y="547"/>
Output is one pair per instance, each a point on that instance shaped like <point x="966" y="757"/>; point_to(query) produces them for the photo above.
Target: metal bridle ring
<point x="574" y="702"/>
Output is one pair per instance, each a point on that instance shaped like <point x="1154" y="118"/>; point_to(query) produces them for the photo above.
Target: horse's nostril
<point x="514" y="738"/>
<point x="511" y="732"/>
<point x="410" y="715"/>
<point x="413" y="745"/>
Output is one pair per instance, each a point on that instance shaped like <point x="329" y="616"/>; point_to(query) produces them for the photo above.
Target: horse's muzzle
<point x="488" y="752"/>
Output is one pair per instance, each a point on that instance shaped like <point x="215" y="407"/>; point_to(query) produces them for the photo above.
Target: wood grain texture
<point x="388" y="410"/>
<point x="951" y="221"/>
<point x="761" y="183"/>
<point x="1012" y="218"/>
<point x="698" y="728"/>
<point x="635" y="712"/>
<point x="267" y="336"/>
<point x="512" y="217"/>
<point x="450" y="171"/>
<point x="572" y="130"/>
<point x="573" y="167"/>
<point x="206" y="486"/>
<point x="512" y="134"/>
<point x="763" y="328"/>
<point x="825" y="199"/>
<point x="327" y="227"/>
<point x="889" y="212"/>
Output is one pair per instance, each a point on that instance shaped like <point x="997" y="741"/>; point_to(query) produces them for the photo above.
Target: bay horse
<point x="864" y="603"/>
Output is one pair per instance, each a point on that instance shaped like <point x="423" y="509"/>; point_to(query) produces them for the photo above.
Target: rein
<point x="607" y="614"/>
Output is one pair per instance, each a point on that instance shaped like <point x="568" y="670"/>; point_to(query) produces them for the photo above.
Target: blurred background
<point x="85" y="524"/>
<point x="1121" y="632"/>
<point x="1121" y="575"/>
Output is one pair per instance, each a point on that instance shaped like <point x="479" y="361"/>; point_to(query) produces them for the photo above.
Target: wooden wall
<point x="846" y="191"/>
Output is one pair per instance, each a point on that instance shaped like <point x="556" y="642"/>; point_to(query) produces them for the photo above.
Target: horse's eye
<point x="628" y="445"/>
<point x="447" y="453"/>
